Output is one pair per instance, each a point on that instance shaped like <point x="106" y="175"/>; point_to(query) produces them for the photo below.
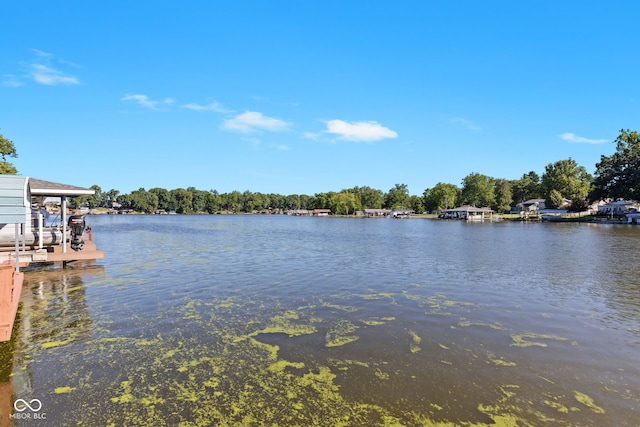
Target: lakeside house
<point x="618" y="208"/>
<point x="531" y="205"/>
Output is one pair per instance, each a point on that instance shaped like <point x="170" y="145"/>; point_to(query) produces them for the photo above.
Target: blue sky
<point x="312" y="96"/>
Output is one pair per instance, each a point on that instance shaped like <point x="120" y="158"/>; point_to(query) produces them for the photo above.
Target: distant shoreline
<point x="590" y="219"/>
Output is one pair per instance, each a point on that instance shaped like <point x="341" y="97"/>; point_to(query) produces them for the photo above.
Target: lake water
<point x="275" y="320"/>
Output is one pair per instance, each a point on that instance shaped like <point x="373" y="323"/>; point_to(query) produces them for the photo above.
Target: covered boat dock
<point x="27" y="240"/>
<point x="469" y="213"/>
<point x="38" y="249"/>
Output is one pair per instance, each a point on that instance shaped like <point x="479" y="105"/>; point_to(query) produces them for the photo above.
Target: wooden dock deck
<point x="51" y="254"/>
<point x="10" y="291"/>
<point x="11" y="280"/>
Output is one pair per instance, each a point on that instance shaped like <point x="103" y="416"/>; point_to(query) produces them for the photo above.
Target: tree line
<point x="616" y="177"/>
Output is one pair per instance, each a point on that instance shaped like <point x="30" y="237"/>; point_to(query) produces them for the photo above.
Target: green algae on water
<point x="414" y="347"/>
<point x="502" y="362"/>
<point x="341" y="334"/>
<point x="126" y="396"/>
<point x="287" y="323"/>
<point x="521" y="341"/>
<point x="588" y="401"/>
<point x="557" y="406"/>
<point x="54" y="344"/>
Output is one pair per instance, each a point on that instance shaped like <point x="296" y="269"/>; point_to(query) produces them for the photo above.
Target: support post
<point x="18" y="247"/>
<point x="40" y="226"/>
<point x="64" y="224"/>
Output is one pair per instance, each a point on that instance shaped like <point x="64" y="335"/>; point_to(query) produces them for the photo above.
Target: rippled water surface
<point x="275" y="320"/>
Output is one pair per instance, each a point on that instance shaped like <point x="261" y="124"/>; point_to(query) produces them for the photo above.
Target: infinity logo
<point x="37" y="405"/>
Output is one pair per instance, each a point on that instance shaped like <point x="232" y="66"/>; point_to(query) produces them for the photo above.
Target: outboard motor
<point x="76" y="224"/>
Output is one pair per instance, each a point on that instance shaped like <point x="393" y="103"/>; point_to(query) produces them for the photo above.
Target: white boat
<point x="40" y="229"/>
<point x="24" y="221"/>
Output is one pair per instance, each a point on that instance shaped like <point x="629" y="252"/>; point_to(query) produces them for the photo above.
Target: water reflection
<point x="54" y="305"/>
<point x="53" y="312"/>
<point x="7" y="352"/>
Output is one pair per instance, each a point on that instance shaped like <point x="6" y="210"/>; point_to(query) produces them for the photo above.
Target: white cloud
<point x="464" y="122"/>
<point x="42" y="53"/>
<point x="11" y="81"/>
<point x="283" y="147"/>
<point x="144" y="101"/>
<point x="571" y="137"/>
<point x="312" y="135"/>
<point x="43" y="68"/>
<point x="359" y="131"/>
<point x="46" y="75"/>
<point x="214" y="106"/>
<point x="251" y="121"/>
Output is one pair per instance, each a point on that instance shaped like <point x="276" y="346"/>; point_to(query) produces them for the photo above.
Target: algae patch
<point x="502" y="362"/>
<point x="415" y="342"/>
<point x="557" y="406"/>
<point x="341" y="334"/>
<point x="588" y="401"/>
<point x="54" y="344"/>
<point x="126" y="396"/>
<point x="521" y="340"/>
<point x="287" y="323"/>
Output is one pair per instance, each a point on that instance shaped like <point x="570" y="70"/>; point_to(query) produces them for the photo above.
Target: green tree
<point x="198" y="200"/>
<point x="184" y="199"/>
<point x="7" y="149"/>
<point x="397" y="196"/>
<point x="260" y="202"/>
<point x="441" y="196"/>
<point x="478" y="190"/>
<point x="578" y="205"/>
<point x="306" y="202"/>
<point x="370" y="198"/>
<point x="527" y="187"/>
<point x="504" y="196"/>
<point x="98" y="199"/>
<point x="213" y="201"/>
<point x="165" y="199"/>
<point x="275" y="201"/>
<point x="346" y="201"/>
<point x="618" y="176"/>
<point x="143" y="201"/>
<point x="111" y="197"/>
<point x="324" y="200"/>
<point x="231" y="202"/>
<point x="416" y="204"/>
<point x="292" y="201"/>
<point x="555" y="199"/>
<point x="566" y="177"/>
<point x="123" y="200"/>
